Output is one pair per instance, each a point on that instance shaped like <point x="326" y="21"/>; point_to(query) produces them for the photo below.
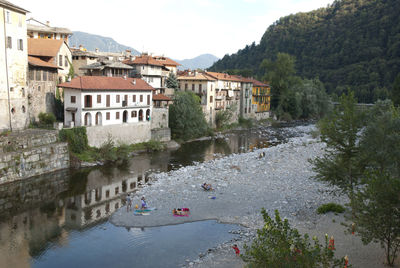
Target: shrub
<point x="153" y="145"/>
<point x="330" y="207"/>
<point x="279" y="245"/>
<point x="222" y="118"/>
<point x="76" y="138"/>
<point x="47" y="118"/>
<point x="248" y="123"/>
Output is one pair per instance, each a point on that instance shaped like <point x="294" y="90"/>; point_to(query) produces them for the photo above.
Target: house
<point x="153" y="69"/>
<point x="37" y="29"/>
<point x="108" y="68"/>
<point x="13" y="66"/>
<point x="42" y="85"/>
<point x="52" y="51"/>
<point x="205" y="87"/>
<point x="118" y="107"/>
<point x="247" y="108"/>
<point x="80" y="58"/>
<point x="261" y="97"/>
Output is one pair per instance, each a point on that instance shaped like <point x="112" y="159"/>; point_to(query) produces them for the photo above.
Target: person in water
<point x="144" y="204"/>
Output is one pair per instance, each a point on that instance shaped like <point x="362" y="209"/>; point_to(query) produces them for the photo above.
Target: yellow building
<point x="261" y="96"/>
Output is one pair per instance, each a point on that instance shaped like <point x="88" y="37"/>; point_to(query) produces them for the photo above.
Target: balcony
<point x="218" y="97"/>
<point x="124" y="103"/>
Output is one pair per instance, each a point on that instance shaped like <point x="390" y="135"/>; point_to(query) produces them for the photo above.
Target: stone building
<point x="107" y="68"/>
<point x="80" y="58"/>
<point x="42" y="86"/>
<point x="13" y="66"/>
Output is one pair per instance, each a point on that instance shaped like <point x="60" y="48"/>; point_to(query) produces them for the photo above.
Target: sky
<point x="178" y="29"/>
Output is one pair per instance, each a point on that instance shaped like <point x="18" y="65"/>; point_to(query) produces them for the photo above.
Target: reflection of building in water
<point x="103" y="196"/>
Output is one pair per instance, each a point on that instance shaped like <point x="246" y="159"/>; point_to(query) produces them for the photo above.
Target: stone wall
<point x="127" y="133"/>
<point x="30" y="153"/>
<point x="161" y="134"/>
<point x="159" y="118"/>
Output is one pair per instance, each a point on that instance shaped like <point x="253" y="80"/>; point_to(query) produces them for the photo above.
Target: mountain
<point x="200" y="62"/>
<point x="350" y="43"/>
<point x="92" y="41"/>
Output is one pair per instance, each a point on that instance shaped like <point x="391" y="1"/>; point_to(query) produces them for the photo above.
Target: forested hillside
<point x="351" y="43"/>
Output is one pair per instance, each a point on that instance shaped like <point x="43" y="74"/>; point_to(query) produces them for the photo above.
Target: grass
<point x="330" y="207"/>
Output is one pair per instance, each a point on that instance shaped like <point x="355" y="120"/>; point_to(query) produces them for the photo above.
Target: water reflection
<point x="43" y="212"/>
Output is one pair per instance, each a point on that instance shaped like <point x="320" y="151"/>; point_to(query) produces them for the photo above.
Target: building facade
<point x="39" y="30"/>
<point x="261" y="98"/>
<point x="13" y="67"/>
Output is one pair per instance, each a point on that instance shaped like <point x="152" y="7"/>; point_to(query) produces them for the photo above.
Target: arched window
<point x="140" y="115"/>
<point x="148" y="114"/>
<point x="88" y="119"/>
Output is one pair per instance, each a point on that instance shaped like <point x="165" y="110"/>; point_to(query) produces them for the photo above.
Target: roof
<point x="9" y="5"/>
<point x="161" y="97"/>
<point x="106" y="83"/>
<point x="258" y="83"/>
<point x="197" y="76"/>
<point x="44" y="47"/>
<point x="47" y="29"/>
<point x="224" y="77"/>
<point x="34" y="61"/>
<point x="150" y="60"/>
<point x="78" y="52"/>
<point x="106" y="64"/>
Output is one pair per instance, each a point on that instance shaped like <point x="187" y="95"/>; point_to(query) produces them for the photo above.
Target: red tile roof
<point x="224" y="77"/>
<point x="106" y="83"/>
<point x="197" y="76"/>
<point x="161" y="97"/>
<point x="258" y="83"/>
<point x="38" y="62"/>
<point x="44" y="47"/>
<point x="150" y="60"/>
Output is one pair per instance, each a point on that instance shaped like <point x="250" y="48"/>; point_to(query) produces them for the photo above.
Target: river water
<point x="61" y="219"/>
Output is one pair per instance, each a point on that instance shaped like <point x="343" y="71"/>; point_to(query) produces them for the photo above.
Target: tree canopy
<point x="350" y="43"/>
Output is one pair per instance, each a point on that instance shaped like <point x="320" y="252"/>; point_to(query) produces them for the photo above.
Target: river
<point x="61" y="219"/>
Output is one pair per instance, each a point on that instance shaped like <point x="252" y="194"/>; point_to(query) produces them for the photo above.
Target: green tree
<point x="280" y="74"/>
<point x="186" y="118"/>
<point x="340" y="165"/>
<point x="172" y="81"/>
<point x="395" y="94"/>
<point x="222" y="117"/>
<point x="279" y="245"/>
<point x="376" y="212"/>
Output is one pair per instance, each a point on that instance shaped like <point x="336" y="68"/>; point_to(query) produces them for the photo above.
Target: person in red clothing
<point x="237" y="250"/>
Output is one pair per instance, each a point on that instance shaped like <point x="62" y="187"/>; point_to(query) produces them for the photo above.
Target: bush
<point x="153" y="145"/>
<point x="76" y="138"/>
<point x="279" y="245"/>
<point x="47" y="119"/>
<point x="248" y="123"/>
<point x="330" y="207"/>
<point x="222" y="118"/>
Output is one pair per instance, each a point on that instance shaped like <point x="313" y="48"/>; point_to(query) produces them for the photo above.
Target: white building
<point x="37" y="29"/>
<point x="116" y="106"/>
<point x="13" y="67"/>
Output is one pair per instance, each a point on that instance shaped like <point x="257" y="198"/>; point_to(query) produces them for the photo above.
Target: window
<point x="31" y="74"/>
<point x="200" y="88"/>
<point x="133" y="98"/>
<point x="20" y="44"/>
<point x="211" y="99"/>
<point x="133" y="114"/>
<point x="211" y="87"/>
<point x="148" y="99"/>
<point x="66" y="61"/>
<point x="8" y="17"/>
<point x="186" y="86"/>
<point x="192" y="87"/>
<point x="141" y="98"/>
<point x="60" y="58"/>
<point x="88" y="101"/>
<point x="107" y="115"/>
<point x="38" y="75"/>
<point x="107" y="100"/>
<point x="73" y="99"/>
<point x="98" y="98"/>
<point x="9" y="42"/>
<point x="117" y="98"/>
<point x="117" y="115"/>
<point x="44" y="75"/>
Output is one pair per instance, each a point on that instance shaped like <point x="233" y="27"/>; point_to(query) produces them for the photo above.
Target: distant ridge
<point x="92" y="41"/>
<point x="200" y="62"/>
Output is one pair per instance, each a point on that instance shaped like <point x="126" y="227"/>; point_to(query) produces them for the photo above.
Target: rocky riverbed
<point x="243" y="184"/>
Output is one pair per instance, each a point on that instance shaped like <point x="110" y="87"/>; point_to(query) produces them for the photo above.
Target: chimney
<point x="134" y="81"/>
<point x="96" y="50"/>
<point x="48" y="23"/>
<point x="81" y="48"/>
<point x="124" y="76"/>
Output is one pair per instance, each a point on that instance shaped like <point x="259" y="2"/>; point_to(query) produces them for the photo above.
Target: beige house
<point x="13" y="67"/>
<point x="39" y="30"/>
<point x="52" y="51"/>
<point x="203" y="86"/>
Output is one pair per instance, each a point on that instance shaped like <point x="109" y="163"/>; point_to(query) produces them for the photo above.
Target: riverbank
<point x="244" y="183"/>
